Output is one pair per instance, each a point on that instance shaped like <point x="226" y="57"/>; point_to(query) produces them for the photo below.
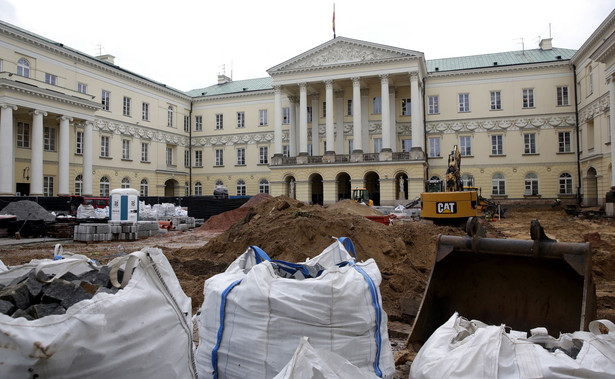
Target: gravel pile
<point x="27" y="210"/>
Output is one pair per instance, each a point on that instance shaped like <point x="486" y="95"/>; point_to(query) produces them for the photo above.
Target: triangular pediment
<point x="343" y="51"/>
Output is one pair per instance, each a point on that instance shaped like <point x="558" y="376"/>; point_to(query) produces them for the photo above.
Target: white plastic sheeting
<point x="471" y="349"/>
<point x="253" y="318"/>
<point x="142" y="331"/>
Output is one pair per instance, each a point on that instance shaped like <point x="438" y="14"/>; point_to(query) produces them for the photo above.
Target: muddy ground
<point x="290" y="230"/>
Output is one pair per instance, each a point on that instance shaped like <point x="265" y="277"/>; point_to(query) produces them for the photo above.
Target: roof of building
<point x="509" y="58"/>
<point x="258" y="84"/>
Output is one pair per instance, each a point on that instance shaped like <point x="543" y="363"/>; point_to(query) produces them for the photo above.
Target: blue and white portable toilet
<point x="124" y="205"/>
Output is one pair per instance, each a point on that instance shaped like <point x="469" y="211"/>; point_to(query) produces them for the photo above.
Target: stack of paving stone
<point x="31" y="298"/>
<point x="183" y="223"/>
<point x="115" y="231"/>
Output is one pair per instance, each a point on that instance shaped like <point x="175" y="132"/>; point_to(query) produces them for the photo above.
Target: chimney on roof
<point x="107" y="58"/>
<point x="545" y="44"/>
<point x="223" y="79"/>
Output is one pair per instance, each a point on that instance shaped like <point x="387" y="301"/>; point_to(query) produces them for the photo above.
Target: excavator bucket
<point x="521" y="283"/>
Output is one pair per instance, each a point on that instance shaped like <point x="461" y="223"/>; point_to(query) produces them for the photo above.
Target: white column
<point x="292" y="127"/>
<point x="612" y="126"/>
<point x="392" y="110"/>
<point x="385" y="113"/>
<point x="277" y="119"/>
<point x="365" y="120"/>
<point x="315" y="117"/>
<point x="329" y="133"/>
<point x="63" y="154"/>
<point x="7" y="151"/>
<point x="303" y="119"/>
<point x="36" y="177"/>
<point x="356" y="114"/>
<point x="339" y="122"/>
<point x="87" y="159"/>
<point x="417" y="124"/>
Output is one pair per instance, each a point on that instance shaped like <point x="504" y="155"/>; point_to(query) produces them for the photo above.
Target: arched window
<point x="498" y="184"/>
<point x="241" y="188"/>
<point x="144" y="187"/>
<point x="187" y="189"/>
<point x="198" y="189"/>
<point x="219" y="182"/>
<point x="565" y="184"/>
<point x="125" y="183"/>
<point x="23" y="67"/>
<point x="263" y="186"/>
<point x="104" y="187"/>
<point x="78" y="184"/>
<point x="170" y="116"/>
<point x="531" y="184"/>
<point x="467" y="180"/>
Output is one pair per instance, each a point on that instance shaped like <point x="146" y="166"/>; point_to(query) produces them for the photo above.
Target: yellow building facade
<point x="342" y="115"/>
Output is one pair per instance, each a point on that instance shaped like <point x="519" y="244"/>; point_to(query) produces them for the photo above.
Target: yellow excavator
<point x="452" y="202"/>
<point x="361" y="195"/>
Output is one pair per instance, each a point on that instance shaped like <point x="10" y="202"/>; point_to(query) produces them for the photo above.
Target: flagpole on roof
<point x="333" y="20"/>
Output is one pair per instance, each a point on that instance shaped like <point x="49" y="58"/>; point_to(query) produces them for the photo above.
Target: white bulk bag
<point x="472" y="349"/>
<point x="252" y="318"/>
<point x="142" y="331"/>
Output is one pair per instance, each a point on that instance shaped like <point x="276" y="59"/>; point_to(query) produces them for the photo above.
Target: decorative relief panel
<point x="341" y="54"/>
<point x="507" y="124"/>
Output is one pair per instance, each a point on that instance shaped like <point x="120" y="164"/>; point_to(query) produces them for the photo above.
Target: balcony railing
<point x="346" y="158"/>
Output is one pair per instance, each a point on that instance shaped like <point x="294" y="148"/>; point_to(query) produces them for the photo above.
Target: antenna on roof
<point x="99" y="47"/>
<point x="522" y="45"/>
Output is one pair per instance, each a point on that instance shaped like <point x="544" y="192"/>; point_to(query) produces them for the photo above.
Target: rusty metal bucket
<point x="521" y="283"/>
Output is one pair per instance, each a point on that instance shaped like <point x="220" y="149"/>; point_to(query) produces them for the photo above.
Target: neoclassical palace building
<point x="530" y="124"/>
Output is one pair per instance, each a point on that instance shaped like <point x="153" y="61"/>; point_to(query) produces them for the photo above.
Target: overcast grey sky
<point x="185" y="43"/>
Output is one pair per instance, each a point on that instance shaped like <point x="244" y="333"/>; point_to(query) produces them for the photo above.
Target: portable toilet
<point x="124" y="205"/>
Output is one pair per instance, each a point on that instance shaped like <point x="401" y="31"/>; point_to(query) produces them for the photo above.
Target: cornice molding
<point x="234" y="95"/>
<point x="45" y="94"/>
<point x="501" y="125"/>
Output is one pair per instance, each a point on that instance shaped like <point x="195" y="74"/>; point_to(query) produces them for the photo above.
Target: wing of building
<point x="531" y="125"/>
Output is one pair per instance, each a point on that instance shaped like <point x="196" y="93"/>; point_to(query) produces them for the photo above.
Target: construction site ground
<point x="293" y="231"/>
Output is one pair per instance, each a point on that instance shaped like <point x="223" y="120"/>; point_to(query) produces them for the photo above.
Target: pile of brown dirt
<point x="223" y="221"/>
<point x="292" y="231"/>
<point x="348" y="206"/>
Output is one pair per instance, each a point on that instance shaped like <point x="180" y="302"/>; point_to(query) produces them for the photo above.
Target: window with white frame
<point x="286" y="115"/>
<point x="465" y="146"/>
<point x="241" y="188"/>
<point x="47" y="185"/>
<point x="529" y="143"/>
<point x="565" y="184"/>
<point x="241" y="156"/>
<point x="241" y="119"/>
<point x="497" y="144"/>
<point x="49" y="138"/>
<point x="406" y="107"/>
<point x="79" y="143"/>
<point x="263" y="186"/>
<point x="198" y="123"/>
<point x="406" y="145"/>
<point x="377" y="105"/>
<point x="263" y="155"/>
<point x="186" y="124"/>
<point x="262" y="117"/>
<point x="125" y="183"/>
<point x="433" y="105"/>
<point x="169" y="155"/>
<point x="495" y="100"/>
<point x="498" y="184"/>
<point x="105" y="100"/>
<point x="170" y="116"/>
<point x="219" y="183"/>
<point x="531" y="184"/>
<point x="219" y="121"/>
<point x="464" y="102"/>
<point x="23" y="134"/>
<point x="186" y="189"/>
<point x="198" y="189"/>
<point x="144" y="188"/>
<point x="125" y="149"/>
<point x="126" y="106"/>
<point x="324" y="109"/>
<point x="104" y="146"/>
<point x="349" y="107"/>
<point x="82" y="87"/>
<point x="198" y="158"/>
<point x="286" y="151"/>
<point x="23" y="67"/>
<point x="309" y="114"/>
<point x="186" y="158"/>
<point x="309" y="149"/>
<point x="145" y="111"/>
<point x="528" y="98"/>
<point x="377" y="145"/>
<point x="78" y="184"/>
<point x="104" y="186"/>
<point x="434" y="147"/>
<point x="467" y="180"/>
<point x="564" y="142"/>
<point x="144" y="152"/>
<point x="51" y="79"/>
<point x="219" y="157"/>
<point x="350" y="146"/>
<point x="562" y="96"/>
